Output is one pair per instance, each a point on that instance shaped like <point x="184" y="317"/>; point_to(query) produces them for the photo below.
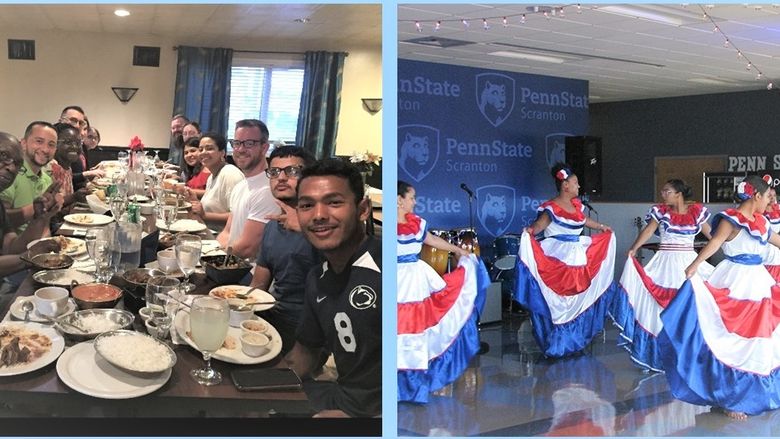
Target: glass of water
<point x="168" y="213"/>
<point x="188" y="249"/>
<point x="163" y="301"/>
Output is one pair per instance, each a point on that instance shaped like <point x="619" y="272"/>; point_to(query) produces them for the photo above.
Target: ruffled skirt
<point x="437" y="325"/>
<point x="720" y="344"/>
<point x="643" y="292"/>
<point x="568" y="303"/>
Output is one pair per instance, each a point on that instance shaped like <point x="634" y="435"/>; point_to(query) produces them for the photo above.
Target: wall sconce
<point x="124" y="94"/>
<point x="372" y="105"/>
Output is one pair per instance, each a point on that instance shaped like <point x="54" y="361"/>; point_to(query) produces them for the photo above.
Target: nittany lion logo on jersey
<point x="496" y="209"/>
<point x="495" y="97"/>
<point x="418" y="150"/>
<point x="362" y="297"/>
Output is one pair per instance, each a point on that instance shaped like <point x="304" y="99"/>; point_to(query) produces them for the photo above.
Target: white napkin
<point x="97" y="206"/>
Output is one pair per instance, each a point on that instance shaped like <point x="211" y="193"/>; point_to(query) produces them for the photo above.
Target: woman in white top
<point x="214" y="207"/>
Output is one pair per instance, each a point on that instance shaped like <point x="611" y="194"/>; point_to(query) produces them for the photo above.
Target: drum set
<point x="502" y="253"/>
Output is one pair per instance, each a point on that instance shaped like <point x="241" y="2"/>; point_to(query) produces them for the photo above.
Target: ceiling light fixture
<point x="528" y="56"/>
<point x="121" y="12"/>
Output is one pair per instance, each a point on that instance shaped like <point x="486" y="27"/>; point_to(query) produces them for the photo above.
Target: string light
<point x="485" y="24"/>
<point x="504" y="21"/>
<point x="418" y="26"/>
<point x="437" y="26"/>
<point x="465" y="22"/>
<point x="728" y="43"/>
<point x="522" y="19"/>
<point x="579" y="8"/>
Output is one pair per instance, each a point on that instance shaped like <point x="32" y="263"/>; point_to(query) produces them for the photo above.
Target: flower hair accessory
<point x="768" y="179"/>
<point x="563" y="174"/>
<point x="745" y="191"/>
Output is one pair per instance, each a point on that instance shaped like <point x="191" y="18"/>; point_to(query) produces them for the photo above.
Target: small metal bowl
<point x="140" y="276"/>
<point x="85" y="300"/>
<point x="62" y="278"/>
<point x="122" y="319"/>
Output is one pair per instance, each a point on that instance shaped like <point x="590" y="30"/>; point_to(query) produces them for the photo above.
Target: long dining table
<point x="42" y="392"/>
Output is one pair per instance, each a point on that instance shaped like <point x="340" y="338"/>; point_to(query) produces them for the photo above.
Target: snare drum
<point x="438" y="259"/>
<point x="507" y="247"/>
<point x="466" y="238"/>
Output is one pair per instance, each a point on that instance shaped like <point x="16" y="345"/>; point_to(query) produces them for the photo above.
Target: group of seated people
<point x="301" y="221"/>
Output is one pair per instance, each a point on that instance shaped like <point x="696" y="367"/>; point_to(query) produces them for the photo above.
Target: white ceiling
<point x="241" y="26"/>
<point x="622" y="56"/>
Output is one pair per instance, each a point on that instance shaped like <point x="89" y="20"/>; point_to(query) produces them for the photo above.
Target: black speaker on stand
<point x="583" y="154"/>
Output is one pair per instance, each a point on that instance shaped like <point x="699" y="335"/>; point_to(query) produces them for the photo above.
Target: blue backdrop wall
<point x="497" y="132"/>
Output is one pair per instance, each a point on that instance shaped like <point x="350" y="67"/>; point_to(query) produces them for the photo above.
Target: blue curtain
<point x="320" y="102"/>
<point x="203" y="86"/>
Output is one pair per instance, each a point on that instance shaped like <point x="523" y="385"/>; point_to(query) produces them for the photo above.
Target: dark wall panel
<point x="633" y="133"/>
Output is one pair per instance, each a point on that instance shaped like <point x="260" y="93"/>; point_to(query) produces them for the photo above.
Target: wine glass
<point x="187" y="255"/>
<point x="168" y="213"/>
<point x="104" y="258"/>
<point x="124" y="158"/>
<point x="163" y="299"/>
<point x="89" y="240"/>
<point x="208" y="326"/>
<point x="120" y="183"/>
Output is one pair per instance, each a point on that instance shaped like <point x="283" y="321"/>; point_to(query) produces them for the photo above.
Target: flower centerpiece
<point x="136" y="149"/>
<point x="364" y="161"/>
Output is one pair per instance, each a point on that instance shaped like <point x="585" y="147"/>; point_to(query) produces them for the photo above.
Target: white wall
<point x="79" y="68"/>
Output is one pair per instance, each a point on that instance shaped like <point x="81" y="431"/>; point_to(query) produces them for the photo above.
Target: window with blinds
<point x="271" y="94"/>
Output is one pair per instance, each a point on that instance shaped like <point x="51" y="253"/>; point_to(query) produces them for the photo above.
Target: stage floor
<point x="513" y="391"/>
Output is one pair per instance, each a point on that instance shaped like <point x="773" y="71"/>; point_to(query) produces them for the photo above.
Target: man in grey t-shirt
<point x="285" y="256"/>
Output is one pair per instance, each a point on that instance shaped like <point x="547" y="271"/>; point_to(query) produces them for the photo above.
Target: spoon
<point x="27" y="306"/>
<point x="64" y="323"/>
<point x="246" y="294"/>
<point x="228" y="253"/>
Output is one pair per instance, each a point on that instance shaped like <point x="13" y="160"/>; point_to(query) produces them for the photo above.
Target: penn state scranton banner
<point x="497" y="132"/>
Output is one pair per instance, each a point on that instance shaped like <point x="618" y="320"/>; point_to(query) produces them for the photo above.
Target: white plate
<point x="225" y="292"/>
<point x="235" y="356"/>
<point x="88" y="219"/>
<point x="17" y="313"/>
<point x="57" y="345"/>
<point x="82" y="369"/>
<point x="183" y="225"/>
<point x="75" y="246"/>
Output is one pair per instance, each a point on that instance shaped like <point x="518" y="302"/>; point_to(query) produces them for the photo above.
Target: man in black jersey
<point x="342" y="303"/>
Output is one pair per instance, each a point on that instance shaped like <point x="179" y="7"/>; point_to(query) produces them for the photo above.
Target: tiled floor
<point x="513" y="391"/>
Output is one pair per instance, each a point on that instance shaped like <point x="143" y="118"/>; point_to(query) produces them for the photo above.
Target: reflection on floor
<point x="513" y="391"/>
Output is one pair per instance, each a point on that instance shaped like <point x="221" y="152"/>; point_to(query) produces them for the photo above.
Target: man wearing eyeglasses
<point x="176" y="147"/>
<point x="285" y="256"/>
<point x="74" y="115"/>
<point x="251" y="201"/>
<point x="32" y="192"/>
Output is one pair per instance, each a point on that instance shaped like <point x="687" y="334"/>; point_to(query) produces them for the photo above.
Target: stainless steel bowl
<point x="122" y="320"/>
<point x="134" y="275"/>
<point x="62" y="278"/>
<point x="122" y="337"/>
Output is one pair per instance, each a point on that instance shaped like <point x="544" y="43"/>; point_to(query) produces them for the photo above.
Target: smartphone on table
<point x="266" y="379"/>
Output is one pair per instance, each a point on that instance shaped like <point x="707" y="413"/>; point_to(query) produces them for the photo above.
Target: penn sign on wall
<point x="497" y="132"/>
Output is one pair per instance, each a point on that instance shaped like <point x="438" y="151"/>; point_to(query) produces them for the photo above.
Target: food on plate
<point x="96" y="295"/>
<point x="134" y="352"/>
<point x="138" y="276"/>
<point x="231" y="293"/>
<point x="82" y="219"/>
<point x="254" y="326"/>
<point x="101" y="194"/>
<point x="95" y="323"/>
<point x="63" y="277"/>
<point x="20" y="345"/>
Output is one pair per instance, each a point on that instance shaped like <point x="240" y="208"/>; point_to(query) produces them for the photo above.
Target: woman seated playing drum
<point x="565" y="281"/>
<point x="437" y="318"/>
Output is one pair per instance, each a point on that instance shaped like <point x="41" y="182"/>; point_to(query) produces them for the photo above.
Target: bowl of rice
<point x="135" y="352"/>
<point x="94" y="322"/>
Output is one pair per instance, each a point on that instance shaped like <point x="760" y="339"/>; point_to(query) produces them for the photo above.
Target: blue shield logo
<point x="418" y="150"/>
<point x="496" y="208"/>
<point x="555" y="148"/>
<point x="495" y="97"/>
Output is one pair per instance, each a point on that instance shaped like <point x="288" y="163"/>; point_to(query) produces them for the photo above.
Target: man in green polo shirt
<point x="38" y="147"/>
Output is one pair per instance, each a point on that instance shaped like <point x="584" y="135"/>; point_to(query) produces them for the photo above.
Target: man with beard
<point x="11" y="164"/>
<point x="68" y="151"/>
<point x="176" y="147"/>
<point x="251" y="201"/>
<point x="285" y="255"/>
<point x="30" y="194"/>
<point x="342" y="304"/>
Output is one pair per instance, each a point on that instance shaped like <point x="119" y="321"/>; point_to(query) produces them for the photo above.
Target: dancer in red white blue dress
<point x="437" y="317"/>
<point x="565" y="281"/>
<point x="772" y="214"/>
<point x="643" y="292"/>
<point x="719" y="344"/>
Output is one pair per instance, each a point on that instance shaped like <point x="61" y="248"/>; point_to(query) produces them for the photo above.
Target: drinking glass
<point x="119" y="181"/>
<point x="163" y="299"/>
<point x="188" y="249"/>
<point x="104" y="258"/>
<point x="117" y="205"/>
<point x="208" y="326"/>
<point x="89" y="239"/>
<point x="124" y="158"/>
<point x="168" y="213"/>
